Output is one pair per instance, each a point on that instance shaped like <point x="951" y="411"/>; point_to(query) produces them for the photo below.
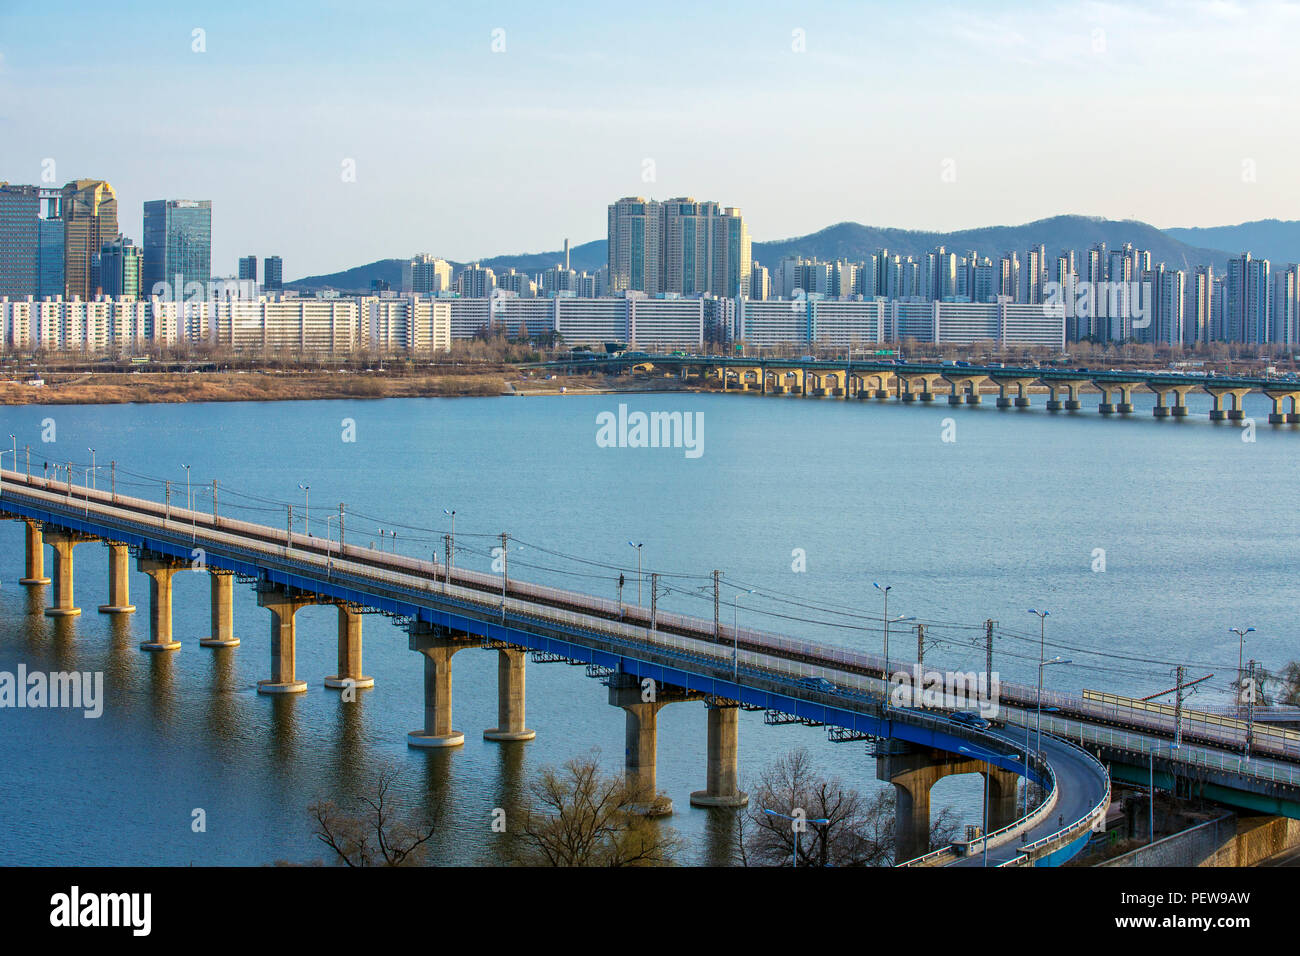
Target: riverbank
<point x="87" y="388"/>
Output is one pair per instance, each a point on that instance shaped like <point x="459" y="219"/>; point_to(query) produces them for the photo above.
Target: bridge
<point x="922" y="381"/>
<point x="649" y="659"/>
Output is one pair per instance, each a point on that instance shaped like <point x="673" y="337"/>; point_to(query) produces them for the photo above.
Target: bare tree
<point x="576" y="816"/>
<point x="376" y="835"/>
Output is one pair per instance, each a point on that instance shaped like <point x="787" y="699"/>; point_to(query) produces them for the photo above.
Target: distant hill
<point x="588" y="257"/>
<point x="1274" y="239"/>
<point x="852" y="241"/>
<point x="1182" y="248"/>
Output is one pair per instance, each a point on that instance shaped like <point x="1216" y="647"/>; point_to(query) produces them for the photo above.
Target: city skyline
<point x="1017" y="100"/>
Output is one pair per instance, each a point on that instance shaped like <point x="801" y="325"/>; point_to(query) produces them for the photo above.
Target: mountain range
<point x="1188" y="248"/>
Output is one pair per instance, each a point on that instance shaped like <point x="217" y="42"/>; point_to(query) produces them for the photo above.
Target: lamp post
<point x="637" y="545"/>
<point x="1241" y="646"/>
<point x="92" y="466"/>
<point x="797" y="821"/>
<point x="735" y="634"/>
<point x="306" y="500"/>
<point x="885" y="671"/>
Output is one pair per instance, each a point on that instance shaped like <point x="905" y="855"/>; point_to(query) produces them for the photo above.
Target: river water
<point x="1145" y="539"/>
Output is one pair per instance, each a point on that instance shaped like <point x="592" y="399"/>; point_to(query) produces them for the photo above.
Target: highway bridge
<point x="868" y="378"/>
<point x="648" y="659"/>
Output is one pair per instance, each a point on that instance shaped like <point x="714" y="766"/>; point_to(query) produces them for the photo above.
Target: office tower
<point x="1248" y="295"/>
<point x="248" y="268"/>
<point x="272" y="274"/>
<point x="178" y="247"/>
<point x="20" y="208"/>
<point x="51" y="266"/>
<point x="427" y="275"/>
<point x="89" y="221"/>
<point x="119" y="269"/>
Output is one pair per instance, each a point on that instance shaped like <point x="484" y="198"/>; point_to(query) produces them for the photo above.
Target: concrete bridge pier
<point x="1125" y="406"/>
<point x="1105" y="406"/>
<point x="161" y="570"/>
<point x="437" y="645"/>
<point x="641" y="702"/>
<point x="510" y="697"/>
<point x="221" y="585"/>
<point x="349" y="667"/>
<point x="34" y="568"/>
<point x="1072" y="390"/>
<point x="722" y="777"/>
<point x="1021" y="386"/>
<point x="913" y="773"/>
<point x="1180" y="401"/>
<point x="119" y="578"/>
<point x="1053" y="403"/>
<point x="1278" y="416"/>
<point x="284" y="605"/>
<point x="63" y="542"/>
<point x="1161" y="410"/>
<point x="1003" y="786"/>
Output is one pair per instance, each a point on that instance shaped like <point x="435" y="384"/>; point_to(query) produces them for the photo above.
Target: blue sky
<point x="920" y="115"/>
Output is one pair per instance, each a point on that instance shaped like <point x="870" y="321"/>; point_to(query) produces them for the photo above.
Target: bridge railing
<point x="1025" y="855"/>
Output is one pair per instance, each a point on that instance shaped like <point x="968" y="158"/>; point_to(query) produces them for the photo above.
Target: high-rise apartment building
<point x="678" y="245"/>
<point x="1248" y="302"/>
<point x="178" y="246"/>
<point x="427" y="275"/>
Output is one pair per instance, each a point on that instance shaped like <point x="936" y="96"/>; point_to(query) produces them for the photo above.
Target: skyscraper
<point x="1249" y="300"/>
<point x="119" y="269"/>
<point x="273" y="274"/>
<point x="178" y="246"/>
<point x="19" y="239"/>
<point x="89" y="221"/>
<point x="248" y="268"/>
<point x="427" y="275"/>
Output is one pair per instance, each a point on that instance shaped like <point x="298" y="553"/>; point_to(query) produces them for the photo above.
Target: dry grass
<point x="80" y="389"/>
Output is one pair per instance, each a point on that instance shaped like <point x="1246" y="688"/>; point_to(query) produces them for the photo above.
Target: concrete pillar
<point x="1004" y="401"/>
<point x="35" y="566"/>
<point x="1072" y="404"/>
<point x="1277" y="416"/>
<point x="119" y="578"/>
<point x="905" y="390"/>
<point x="1217" y="412"/>
<point x="510" y="697"/>
<point x="1125" y="406"/>
<point x="349" y="671"/>
<point x="640" y="741"/>
<point x="1160" y="410"/>
<point x="722" y="777"/>
<point x="1106" y="406"/>
<point x="437" y="646"/>
<point x="284" y="637"/>
<point x="1180" y="402"/>
<point x="1022" y="399"/>
<point x="1003" y="787"/>
<point x="160" y="571"/>
<point x="1293" y="416"/>
<point x="1053" y="403"/>
<point x="1238" y="411"/>
<point x="221" y="585"/>
<point x="64" y="605"/>
<point x="955" y="395"/>
<point x="913" y="773"/>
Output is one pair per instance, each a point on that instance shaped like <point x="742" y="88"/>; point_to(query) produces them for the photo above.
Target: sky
<point x="334" y="134"/>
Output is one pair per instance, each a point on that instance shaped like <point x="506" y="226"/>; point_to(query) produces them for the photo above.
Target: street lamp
<point x="451" y="542"/>
<point x="885" y="591"/>
<point x="637" y="545"/>
<point x="306" y="500"/>
<point x="1241" y="645"/>
<point x="92" y="465"/>
<point x="795" y="829"/>
<point x="735" y="634"/>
